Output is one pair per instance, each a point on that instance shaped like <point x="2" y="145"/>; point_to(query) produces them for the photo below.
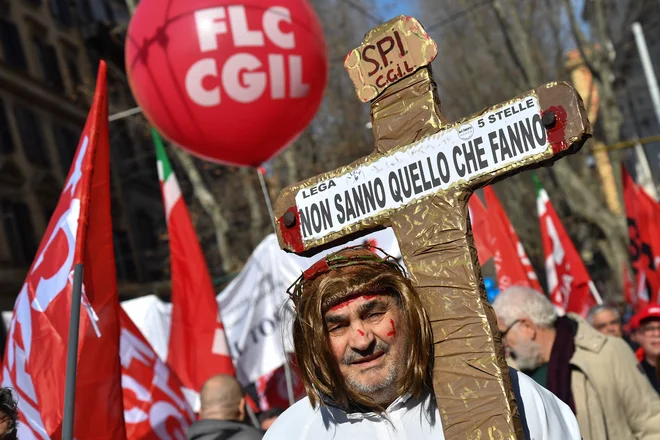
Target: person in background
<point x="8" y="415"/>
<point x="222" y="413"/>
<point x="631" y="334"/>
<point x="648" y="337"/>
<point x="267" y="418"/>
<point x="596" y="375"/>
<point x="605" y="319"/>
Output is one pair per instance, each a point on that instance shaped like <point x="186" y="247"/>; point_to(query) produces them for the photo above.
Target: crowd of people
<point x="364" y="348"/>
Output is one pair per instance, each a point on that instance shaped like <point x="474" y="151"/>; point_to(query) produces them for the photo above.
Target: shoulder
<point x="249" y="433"/>
<point x="295" y="422"/>
<point x="547" y="417"/>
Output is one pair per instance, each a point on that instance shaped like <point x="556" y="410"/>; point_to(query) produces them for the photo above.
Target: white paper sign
<point x="459" y="153"/>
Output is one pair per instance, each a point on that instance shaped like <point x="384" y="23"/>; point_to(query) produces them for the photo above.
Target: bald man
<point x="222" y="412"/>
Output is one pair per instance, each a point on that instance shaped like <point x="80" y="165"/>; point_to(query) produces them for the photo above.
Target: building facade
<point x="49" y="53"/>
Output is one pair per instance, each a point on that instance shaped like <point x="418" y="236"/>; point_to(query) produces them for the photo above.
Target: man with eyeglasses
<point x="648" y="337"/>
<point x="596" y="375"/>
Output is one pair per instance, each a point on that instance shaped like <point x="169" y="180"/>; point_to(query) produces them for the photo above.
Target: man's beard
<point x="384" y="386"/>
<point x="528" y="355"/>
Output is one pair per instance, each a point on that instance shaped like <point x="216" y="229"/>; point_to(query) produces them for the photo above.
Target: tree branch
<point x="210" y="205"/>
<point x="589" y="59"/>
<point x="499" y="13"/>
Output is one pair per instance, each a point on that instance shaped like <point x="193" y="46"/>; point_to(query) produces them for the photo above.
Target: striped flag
<point x="569" y="285"/>
<point x="198" y="346"/>
<point x="511" y="262"/>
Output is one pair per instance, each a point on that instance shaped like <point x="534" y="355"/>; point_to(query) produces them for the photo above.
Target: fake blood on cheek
<point x="393" y="332"/>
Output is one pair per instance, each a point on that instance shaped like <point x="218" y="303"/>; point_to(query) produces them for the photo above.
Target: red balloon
<point x="232" y="82"/>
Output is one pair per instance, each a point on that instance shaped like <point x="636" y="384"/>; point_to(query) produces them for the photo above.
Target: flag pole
<point x="287" y="367"/>
<point x="72" y="354"/>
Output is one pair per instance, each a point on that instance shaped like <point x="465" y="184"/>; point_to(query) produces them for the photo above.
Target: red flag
<point x="480" y="228"/>
<point x="79" y="232"/>
<point x="272" y="388"/>
<point x="628" y="289"/>
<point x="198" y="346"/>
<point x="569" y="285"/>
<point x="154" y="405"/>
<point x="651" y="217"/>
<point x="641" y="231"/>
<point x="511" y="263"/>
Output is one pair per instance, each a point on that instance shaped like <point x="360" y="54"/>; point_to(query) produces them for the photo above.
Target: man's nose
<point x="360" y="337"/>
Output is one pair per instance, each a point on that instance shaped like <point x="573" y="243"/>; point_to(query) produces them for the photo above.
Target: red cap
<point x="650" y="311"/>
<point x="633" y="324"/>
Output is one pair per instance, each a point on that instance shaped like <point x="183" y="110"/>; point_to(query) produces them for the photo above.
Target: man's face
<point x="519" y="342"/>
<point x="368" y="341"/>
<point x="608" y="323"/>
<point x="5" y="424"/>
<point x="648" y="336"/>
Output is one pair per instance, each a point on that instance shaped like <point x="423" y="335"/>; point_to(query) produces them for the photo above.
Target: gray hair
<point x="601" y="308"/>
<point x="519" y="302"/>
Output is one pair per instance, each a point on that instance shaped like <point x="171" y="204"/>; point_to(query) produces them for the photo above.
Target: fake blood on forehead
<point x="343" y="304"/>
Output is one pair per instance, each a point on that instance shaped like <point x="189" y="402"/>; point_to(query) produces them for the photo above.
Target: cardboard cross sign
<point x="418" y="181"/>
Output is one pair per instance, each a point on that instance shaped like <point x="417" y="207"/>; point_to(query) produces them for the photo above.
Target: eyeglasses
<point x="650" y="329"/>
<point x="509" y="328"/>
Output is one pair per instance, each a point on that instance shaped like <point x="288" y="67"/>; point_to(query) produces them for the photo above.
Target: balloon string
<point x="267" y="199"/>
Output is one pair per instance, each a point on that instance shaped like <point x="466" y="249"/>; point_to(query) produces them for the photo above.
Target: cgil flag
<point x="642" y="235"/>
<point x="569" y="285"/>
<point x="198" y="346"/>
<point x="154" y="405"/>
<point x="480" y="228"/>
<point x="511" y="262"/>
<point x="79" y="232"/>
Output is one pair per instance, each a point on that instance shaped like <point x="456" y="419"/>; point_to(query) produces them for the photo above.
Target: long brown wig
<point x="350" y="272"/>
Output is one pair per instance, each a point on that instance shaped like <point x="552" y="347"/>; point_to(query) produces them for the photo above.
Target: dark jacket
<point x="222" y="430"/>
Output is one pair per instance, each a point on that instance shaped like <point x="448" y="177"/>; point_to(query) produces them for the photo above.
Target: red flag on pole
<point x="480" y="228"/>
<point x="641" y="231"/>
<point x="651" y="217"/>
<point x="79" y="232"/>
<point x="628" y="289"/>
<point x="272" y="387"/>
<point x="511" y="263"/>
<point x="154" y="405"/>
<point x="569" y="285"/>
<point x="198" y="346"/>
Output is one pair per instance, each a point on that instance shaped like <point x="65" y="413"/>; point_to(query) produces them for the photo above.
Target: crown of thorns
<point x="336" y="261"/>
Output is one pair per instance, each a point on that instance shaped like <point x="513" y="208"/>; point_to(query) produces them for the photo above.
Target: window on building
<point x="12" y="48"/>
<point x="17" y="222"/>
<point x="29" y="127"/>
<point x="6" y="141"/>
<point x="71" y="59"/>
<point x="66" y="140"/>
<point x="48" y="208"/>
<point x="61" y="12"/>
<point x="146" y="229"/>
<point x="48" y="63"/>
<point x="123" y="257"/>
<point x="121" y="144"/>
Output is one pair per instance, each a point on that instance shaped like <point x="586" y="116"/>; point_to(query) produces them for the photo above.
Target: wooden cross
<point x="418" y="181"/>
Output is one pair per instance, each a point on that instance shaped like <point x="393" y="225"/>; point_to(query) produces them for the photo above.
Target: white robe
<point x="548" y="418"/>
